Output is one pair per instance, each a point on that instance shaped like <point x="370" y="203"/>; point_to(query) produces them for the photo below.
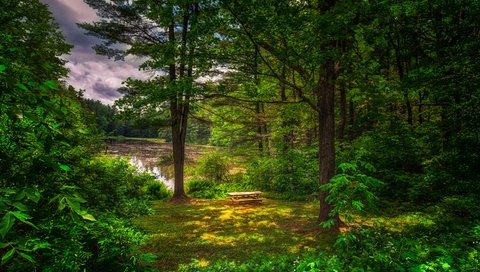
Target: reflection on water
<point x="154" y="171"/>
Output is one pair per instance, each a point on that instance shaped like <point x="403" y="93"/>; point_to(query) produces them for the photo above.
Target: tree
<point x="307" y="39"/>
<point x="176" y="39"/>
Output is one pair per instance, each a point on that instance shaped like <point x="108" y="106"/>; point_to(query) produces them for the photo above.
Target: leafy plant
<point x="157" y="190"/>
<point x="213" y="167"/>
<point x="351" y="190"/>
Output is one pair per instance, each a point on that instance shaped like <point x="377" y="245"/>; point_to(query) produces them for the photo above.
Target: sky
<point x="99" y="76"/>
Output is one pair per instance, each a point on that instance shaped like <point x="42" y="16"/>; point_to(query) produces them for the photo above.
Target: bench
<point x="246" y="197"/>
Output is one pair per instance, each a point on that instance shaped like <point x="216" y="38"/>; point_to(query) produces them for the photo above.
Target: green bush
<point x="213" y="167"/>
<point x="200" y="188"/>
<point x="293" y="175"/>
<point x="67" y="238"/>
<point x="113" y="185"/>
<point x="351" y="190"/>
<point x="157" y="190"/>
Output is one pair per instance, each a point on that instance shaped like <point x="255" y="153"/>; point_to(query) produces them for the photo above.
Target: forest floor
<point x="213" y="230"/>
<point x="217" y="230"/>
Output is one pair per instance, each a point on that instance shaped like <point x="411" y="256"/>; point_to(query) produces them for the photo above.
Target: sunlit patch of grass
<point x="212" y="230"/>
<point x="397" y="222"/>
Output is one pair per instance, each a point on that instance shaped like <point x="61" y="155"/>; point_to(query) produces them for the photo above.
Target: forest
<point x="358" y="121"/>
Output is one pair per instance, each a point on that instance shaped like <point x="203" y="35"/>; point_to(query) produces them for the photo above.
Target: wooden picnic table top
<point x="244" y="193"/>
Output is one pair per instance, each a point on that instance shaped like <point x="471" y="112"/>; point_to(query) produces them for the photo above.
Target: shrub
<point x="157" y="190"/>
<point x="113" y="185"/>
<point x="351" y="190"/>
<point x="213" y="167"/>
<point x="200" y="188"/>
<point x="293" y="175"/>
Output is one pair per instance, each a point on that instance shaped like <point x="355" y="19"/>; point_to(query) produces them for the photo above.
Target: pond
<point x="155" y="171"/>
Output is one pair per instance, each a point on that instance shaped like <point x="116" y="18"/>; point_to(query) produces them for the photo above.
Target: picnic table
<point x="246" y="197"/>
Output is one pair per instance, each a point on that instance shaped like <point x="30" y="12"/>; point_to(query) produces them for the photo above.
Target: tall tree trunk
<point x="420" y="108"/>
<point x="343" y="112"/>
<point x="259" y="128"/>
<point x="408" y="105"/>
<point x="265" y="136"/>
<point x="351" y="119"/>
<point x="179" y="108"/>
<point x="286" y="123"/>
<point x="179" y="112"/>
<point x="326" y="120"/>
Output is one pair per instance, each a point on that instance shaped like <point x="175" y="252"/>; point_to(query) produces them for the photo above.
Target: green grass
<point x="213" y="230"/>
<point x="217" y="230"/>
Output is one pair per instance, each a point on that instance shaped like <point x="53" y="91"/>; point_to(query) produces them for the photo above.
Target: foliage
<point x="368" y="249"/>
<point x="292" y="175"/>
<point x="200" y="188"/>
<point x="213" y="167"/>
<point x="156" y="190"/>
<point x="113" y="185"/>
<point x="49" y="221"/>
<point x="351" y="190"/>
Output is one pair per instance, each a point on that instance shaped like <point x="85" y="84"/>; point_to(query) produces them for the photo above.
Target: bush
<point x="200" y="188"/>
<point x="157" y="190"/>
<point x="113" y="185"/>
<point x="293" y="175"/>
<point x="351" y="190"/>
<point x="213" y="167"/>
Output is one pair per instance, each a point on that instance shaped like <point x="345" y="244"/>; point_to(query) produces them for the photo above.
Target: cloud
<point x="99" y="76"/>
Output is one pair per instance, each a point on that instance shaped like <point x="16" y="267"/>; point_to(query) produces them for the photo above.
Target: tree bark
<point x="286" y="120"/>
<point x="259" y="128"/>
<point x="351" y="119"/>
<point x="179" y="113"/>
<point x="326" y="121"/>
<point x="179" y="107"/>
<point x="343" y="113"/>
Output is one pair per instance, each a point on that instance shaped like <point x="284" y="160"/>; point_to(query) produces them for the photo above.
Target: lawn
<point x="211" y="230"/>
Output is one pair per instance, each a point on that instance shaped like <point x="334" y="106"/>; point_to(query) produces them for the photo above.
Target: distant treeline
<point x="113" y="123"/>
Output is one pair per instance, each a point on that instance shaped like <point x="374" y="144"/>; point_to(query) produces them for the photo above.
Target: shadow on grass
<point x="212" y="230"/>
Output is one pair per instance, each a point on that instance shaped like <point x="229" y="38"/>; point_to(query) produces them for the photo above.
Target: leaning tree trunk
<point x="326" y="120"/>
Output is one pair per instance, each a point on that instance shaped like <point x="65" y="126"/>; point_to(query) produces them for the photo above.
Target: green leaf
<point x="41" y="245"/>
<point x="23" y="87"/>
<point x="24" y="218"/>
<point x="88" y="217"/>
<point x="2" y="67"/>
<point x="61" y="204"/>
<point x="6" y="224"/>
<point x="20" y="206"/>
<point x="32" y="194"/>
<point x="73" y="204"/>
<point x="21" y="216"/>
<point x="8" y="255"/>
<point x="51" y="84"/>
<point x="26" y="257"/>
<point x="358" y="205"/>
<point x="64" y="167"/>
<point x="21" y="195"/>
<point x="4" y="245"/>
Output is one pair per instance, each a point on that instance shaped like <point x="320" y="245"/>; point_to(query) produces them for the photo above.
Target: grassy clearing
<point x="217" y="230"/>
<point x="211" y="230"/>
